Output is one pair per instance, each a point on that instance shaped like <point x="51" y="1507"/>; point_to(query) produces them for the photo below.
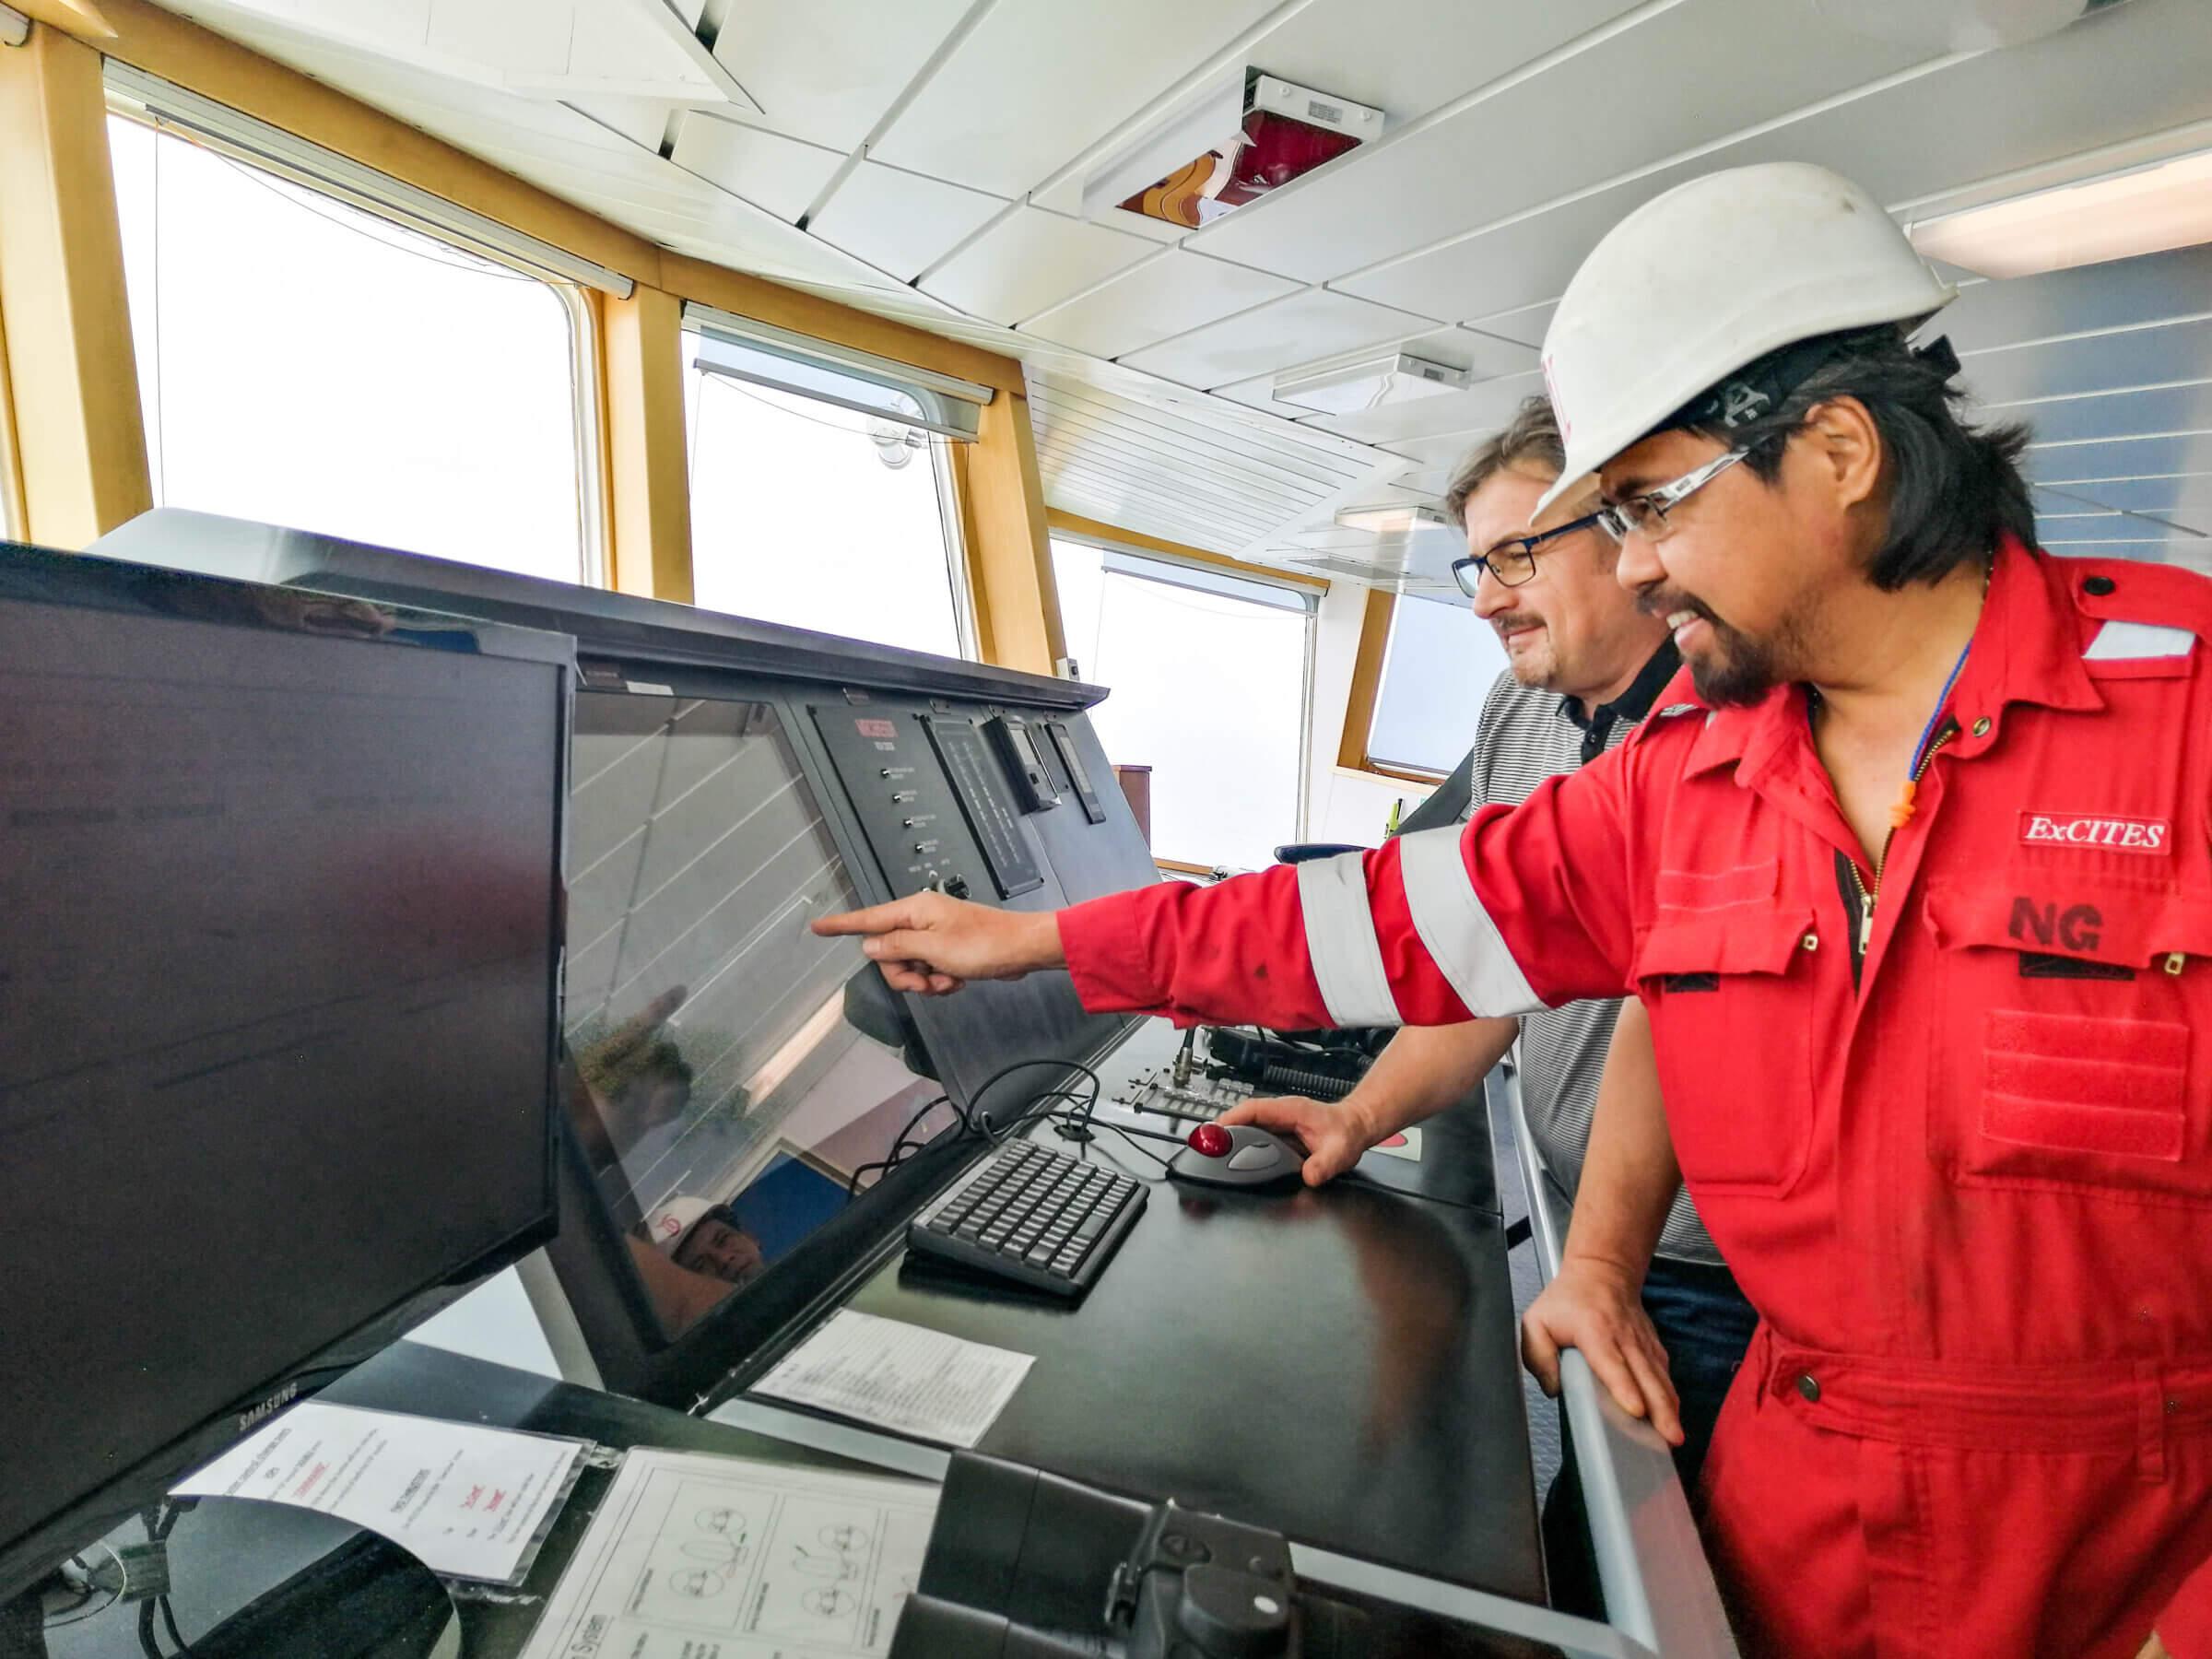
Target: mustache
<point x="1666" y="602"/>
<point x="1512" y="619"/>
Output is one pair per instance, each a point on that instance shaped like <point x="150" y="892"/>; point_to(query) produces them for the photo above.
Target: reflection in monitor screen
<point x="723" y="1101"/>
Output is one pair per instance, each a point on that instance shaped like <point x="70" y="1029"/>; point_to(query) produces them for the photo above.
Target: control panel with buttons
<point x="931" y="800"/>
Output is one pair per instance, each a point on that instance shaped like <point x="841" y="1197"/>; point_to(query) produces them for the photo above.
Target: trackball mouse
<point x="1244" y="1155"/>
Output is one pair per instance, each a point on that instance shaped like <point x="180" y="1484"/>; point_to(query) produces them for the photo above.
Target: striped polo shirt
<point x="1527" y="734"/>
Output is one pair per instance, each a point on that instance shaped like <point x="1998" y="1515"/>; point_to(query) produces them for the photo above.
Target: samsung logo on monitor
<point x="268" y="1408"/>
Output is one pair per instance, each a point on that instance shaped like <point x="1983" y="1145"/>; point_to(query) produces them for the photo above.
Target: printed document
<point x="697" y="1557"/>
<point x="466" y="1501"/>
<point x="901" y="1377"/>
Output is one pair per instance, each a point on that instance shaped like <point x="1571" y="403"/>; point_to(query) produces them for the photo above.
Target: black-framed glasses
<point x="1513" y="562"/>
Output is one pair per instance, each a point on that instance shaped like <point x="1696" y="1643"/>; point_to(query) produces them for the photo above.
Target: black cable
<point x="891" y="1161"/>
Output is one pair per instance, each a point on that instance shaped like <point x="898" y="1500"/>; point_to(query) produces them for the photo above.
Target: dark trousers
<point x="1705" y="1325"/>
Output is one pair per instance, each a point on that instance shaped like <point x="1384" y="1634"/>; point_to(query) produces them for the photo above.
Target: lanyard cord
<point x="1902" y="813"/>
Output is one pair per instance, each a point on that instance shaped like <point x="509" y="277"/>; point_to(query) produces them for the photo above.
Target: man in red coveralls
<point x="1919" y="903"/>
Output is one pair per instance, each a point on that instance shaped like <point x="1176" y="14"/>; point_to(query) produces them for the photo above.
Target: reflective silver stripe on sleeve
<point x="1340" y="940"/>
<point x="2129" y="641"/>
<point x="1461" y="939"/>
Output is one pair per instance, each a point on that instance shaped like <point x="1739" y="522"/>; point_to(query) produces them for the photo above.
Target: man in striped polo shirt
<point x="1586" y="665"/>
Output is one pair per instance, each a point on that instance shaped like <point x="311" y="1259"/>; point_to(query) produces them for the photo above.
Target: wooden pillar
<point x="650" y="510"/>
<point x="72" y="379"/>
<point x="1009" y="560"/>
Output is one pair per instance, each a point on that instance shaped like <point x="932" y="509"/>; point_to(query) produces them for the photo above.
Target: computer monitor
<point x="279" y="946"/>
<point x="726" y="1105"/>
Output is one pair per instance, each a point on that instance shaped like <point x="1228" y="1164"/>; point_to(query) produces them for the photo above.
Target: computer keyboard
<point x="1033" y="1216"/>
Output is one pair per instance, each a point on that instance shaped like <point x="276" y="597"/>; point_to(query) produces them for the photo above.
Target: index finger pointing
<point x="875" y="919"/>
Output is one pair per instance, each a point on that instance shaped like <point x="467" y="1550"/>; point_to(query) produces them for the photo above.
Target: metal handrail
<point x="1659" y="1587"/>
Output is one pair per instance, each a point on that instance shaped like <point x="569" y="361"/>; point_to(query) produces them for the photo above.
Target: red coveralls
<point x="1971" y="1197"/>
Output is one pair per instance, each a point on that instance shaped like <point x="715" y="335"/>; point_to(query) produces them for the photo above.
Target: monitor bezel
<point x="90" y="582"/>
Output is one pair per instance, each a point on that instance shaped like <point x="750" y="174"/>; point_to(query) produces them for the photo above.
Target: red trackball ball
<point x="1210" y="1140"/>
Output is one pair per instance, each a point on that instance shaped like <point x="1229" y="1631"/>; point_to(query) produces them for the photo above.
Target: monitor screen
<point x="726" y="1105"/>
<point x="278" y="946"/>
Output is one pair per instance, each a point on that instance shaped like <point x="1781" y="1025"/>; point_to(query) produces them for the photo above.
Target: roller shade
<point x="766" y="356"/>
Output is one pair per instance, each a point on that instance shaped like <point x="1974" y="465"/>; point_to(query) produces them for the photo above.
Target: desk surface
<point x="1337" y="1364"/>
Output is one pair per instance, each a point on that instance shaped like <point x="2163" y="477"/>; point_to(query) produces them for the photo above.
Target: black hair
<point x="1954" y="485"/>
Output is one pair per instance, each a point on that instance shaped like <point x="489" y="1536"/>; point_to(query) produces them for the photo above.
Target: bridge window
<point x="304" y="363"/>
<point x="821" y="489"/>
<point x="1209" y="673"/>
<point x="1440" y="664"/>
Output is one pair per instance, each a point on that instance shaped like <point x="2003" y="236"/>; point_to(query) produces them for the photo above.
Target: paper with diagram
<point x="696" y="1557"/>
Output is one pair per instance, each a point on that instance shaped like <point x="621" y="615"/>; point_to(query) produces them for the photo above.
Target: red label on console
<point x="875" y="728"/>
<point x="2151" y="836"/>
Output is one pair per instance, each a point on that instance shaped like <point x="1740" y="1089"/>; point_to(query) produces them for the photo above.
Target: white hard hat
<point x="1707" y="277"/>
<point x="667" y="1226"/>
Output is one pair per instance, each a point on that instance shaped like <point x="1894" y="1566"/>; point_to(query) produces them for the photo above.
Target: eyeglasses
<point x="1512" y="563"/>
<point x="1646" y="515"/>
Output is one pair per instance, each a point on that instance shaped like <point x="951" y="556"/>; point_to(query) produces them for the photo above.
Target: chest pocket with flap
<point x="2069" y="1059"/>
<point x="1725" y="977"/>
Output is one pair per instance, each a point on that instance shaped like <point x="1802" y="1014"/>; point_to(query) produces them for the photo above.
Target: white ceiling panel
<point x="2098" y="362"/>
<point x="899" y="221"/>
<point x="641" y="121"/>
<point x="1038" y="82"/>
<point x="1030" y="261"/>
<point x="767" y="170"/>
<point x="1409" y="57"/>
<point x="827" y="70"/>
<point x="551" y="48"/>
<point x="1487" y="403"/>
<point x="1483" y="356"/>
<point x="1167" y="295"/>
<point x="1675" y="79"/>
<point x="1902" y="142"/>
<point x="1301" y="328"/>
<point x="1441" y="449"/>
<point x="1525" y="324"/>
<point x="1222" y="486"/>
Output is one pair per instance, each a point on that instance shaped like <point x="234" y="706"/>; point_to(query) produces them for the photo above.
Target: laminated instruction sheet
<point x="697" y="1557"/>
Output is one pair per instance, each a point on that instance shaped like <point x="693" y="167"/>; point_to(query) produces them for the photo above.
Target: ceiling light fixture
<point x="2141" y="210"/>
<point x="1394" y="518"/>
<point x="1348" y="388"/>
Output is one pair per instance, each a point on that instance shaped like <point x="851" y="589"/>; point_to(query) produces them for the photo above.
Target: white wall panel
<point x="2089" y="463"/>
<point x="2186" y="499"/>
<point x="767" y="169"/>
<point x="898" y="220"/>
<point x="2097" y="362"/>
<point x="1165" y="295"/>
<point x="2121" y="293"/>
<point x="1030" y="261"/>
<point x="827" y="70"/>
<point x="1038" y="82"/>
<point x="2113" y="415"/>
<point x="1301" y="328"/>
<point x="1684" y="77"/>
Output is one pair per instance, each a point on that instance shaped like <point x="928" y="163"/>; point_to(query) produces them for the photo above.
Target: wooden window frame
<point x="1366" y="688"/>
<point x="88" y="472"/>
